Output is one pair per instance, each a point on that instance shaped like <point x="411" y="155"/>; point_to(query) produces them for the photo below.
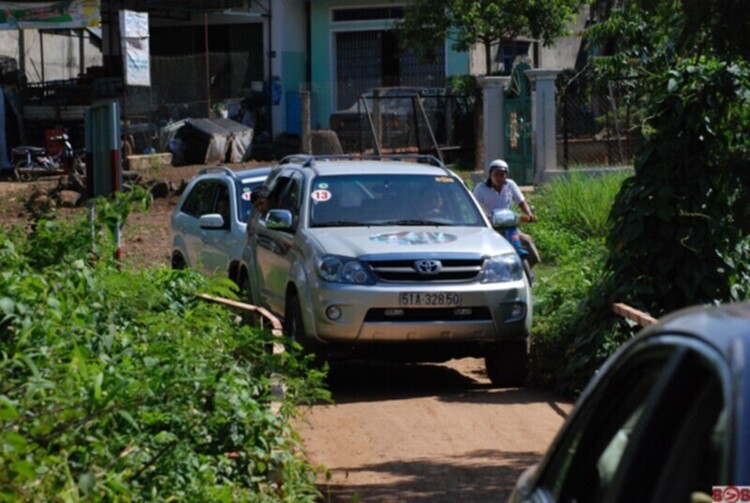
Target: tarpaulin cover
<point x="207" y="141"/>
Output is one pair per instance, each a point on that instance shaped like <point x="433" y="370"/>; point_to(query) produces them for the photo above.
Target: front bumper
<point x="372" y="314"/>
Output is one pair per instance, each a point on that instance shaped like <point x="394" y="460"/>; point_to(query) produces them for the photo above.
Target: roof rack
<point x="308" y="161"/>
<point x="220" y="169"/>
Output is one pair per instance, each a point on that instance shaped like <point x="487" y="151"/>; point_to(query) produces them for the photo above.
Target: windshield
<point x="244" y="189"/>
<point x="411" y="200"/>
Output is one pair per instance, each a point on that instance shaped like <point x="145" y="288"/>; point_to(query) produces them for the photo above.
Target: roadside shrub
<point x="122" y="385"/>
<point x="570" y="235"/>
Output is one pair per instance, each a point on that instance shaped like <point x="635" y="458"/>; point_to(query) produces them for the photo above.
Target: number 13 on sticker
<point x="320" y="195"/>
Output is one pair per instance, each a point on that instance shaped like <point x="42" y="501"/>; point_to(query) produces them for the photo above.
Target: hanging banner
<point x="136" y="58"/>
<point x="50" y="15"/>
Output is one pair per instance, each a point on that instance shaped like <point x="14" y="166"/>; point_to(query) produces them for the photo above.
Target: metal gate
<point x="517" y="122"/>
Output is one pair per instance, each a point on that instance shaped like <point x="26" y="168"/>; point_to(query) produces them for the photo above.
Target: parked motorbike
<point x="507" y="222"/>
<point x="30" y="163"/>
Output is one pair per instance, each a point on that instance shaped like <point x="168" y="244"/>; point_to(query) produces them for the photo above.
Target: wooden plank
<point x="632" y="314"/>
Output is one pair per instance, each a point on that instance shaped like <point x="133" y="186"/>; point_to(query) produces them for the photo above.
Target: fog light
<point x="517" y="311"/>
<point x="394" y="312"/>
<point x="462" y="311"/>
<point x="334" y="313"/>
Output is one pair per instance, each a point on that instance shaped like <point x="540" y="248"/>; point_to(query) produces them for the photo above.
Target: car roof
<point x="227" y="171"/>
<point x="725" y="327"/>
<point x="254" y="172"/>
<point x="349" y="164"/>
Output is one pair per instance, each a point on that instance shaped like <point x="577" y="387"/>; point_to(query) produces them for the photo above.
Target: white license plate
<point x="429" y="299"/>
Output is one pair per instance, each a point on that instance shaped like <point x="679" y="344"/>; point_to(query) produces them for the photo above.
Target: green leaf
<point x="24" y="468"/>
<point x="129" y="418"/>
<point x="87" y="482"/>
<point x="98" y="386"/>
<point x="7" y="409"/>
<point x="6" y="305"/>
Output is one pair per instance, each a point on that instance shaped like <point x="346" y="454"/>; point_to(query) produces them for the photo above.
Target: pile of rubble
<point x="70" y="191"/>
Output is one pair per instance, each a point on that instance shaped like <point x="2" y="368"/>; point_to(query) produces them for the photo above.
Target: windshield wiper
<point x="340" y="223"/>
<point x="412" y="222"/>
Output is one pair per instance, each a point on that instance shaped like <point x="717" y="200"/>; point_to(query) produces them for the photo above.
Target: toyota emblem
<point x="427" y="266"/>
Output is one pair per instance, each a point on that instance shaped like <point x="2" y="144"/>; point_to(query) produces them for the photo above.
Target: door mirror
<point x="211" y="221"/>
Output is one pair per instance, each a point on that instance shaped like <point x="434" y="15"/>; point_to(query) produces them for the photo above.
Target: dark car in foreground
<point x="667" y="418"/>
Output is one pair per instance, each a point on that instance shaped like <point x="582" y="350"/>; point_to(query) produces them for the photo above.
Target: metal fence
<point x="597" y="124"/>
<point x="407" y="121"/>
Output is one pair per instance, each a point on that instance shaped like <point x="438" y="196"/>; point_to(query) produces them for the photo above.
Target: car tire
<point x="507" y="364"/>
<point x="178" y="261"/>
<point x="294" y="329"/>
<point x="252" y="318"/>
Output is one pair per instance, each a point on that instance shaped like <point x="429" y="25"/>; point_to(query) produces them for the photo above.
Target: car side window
<point x="290" y="198"/>
<point x="622" y="444"/>
<point x="222" y="204"/>
<point x="200" y="201"/>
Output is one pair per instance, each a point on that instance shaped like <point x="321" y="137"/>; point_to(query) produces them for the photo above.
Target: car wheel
<point x="507" y="363"/>
<point x="294" y="329"/>
<point x="178" y="261"/>
<point x="252" y="318"/>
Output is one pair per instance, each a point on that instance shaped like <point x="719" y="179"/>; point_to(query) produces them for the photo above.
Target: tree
<point x="681" y="224"/>
<point x="428" y="23"/>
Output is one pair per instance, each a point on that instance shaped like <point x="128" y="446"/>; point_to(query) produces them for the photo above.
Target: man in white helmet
<point x="499" y="192"/>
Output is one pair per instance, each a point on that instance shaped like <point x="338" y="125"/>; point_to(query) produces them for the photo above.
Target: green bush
<point x="122" y="385"/>
<point x="571" y="236"/>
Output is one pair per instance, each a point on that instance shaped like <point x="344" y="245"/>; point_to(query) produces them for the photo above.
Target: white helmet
<point x="499" y="164"/>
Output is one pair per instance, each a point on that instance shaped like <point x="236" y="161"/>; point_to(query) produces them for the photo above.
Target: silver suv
<point x="387" y="257"/>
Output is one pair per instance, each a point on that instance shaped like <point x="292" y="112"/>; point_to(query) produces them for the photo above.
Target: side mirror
<point x="280" y="220"/>
<point x="503" y="219"/>
<point x="211" y="221"/>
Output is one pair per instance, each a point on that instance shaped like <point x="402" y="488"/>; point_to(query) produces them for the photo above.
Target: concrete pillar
<point x="493" y="89"/>
<point x="543" y="115"/>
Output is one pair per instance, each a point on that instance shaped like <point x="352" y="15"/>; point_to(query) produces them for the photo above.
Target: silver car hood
<point x="359" y="241"/>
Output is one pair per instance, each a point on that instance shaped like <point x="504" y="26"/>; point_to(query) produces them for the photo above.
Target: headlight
<point x="337" y="269"/>
<point x="506" y="267"/>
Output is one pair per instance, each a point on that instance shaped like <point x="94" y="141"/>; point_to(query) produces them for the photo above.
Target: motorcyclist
<point x="499" y="192"/>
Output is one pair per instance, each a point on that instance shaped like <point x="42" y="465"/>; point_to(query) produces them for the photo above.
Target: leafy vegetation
<point x="571" y="232"/>
<point x="679" y="228"/>
<point x="122" y="385"/>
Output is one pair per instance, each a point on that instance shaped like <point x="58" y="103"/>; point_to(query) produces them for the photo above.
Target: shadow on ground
<point x="460" y="479"/>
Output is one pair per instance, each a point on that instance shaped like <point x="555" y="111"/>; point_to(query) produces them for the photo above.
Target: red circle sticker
<point x="731" y="494"/>
<point x="247" y="196"/>
<point x="320" y="195"/>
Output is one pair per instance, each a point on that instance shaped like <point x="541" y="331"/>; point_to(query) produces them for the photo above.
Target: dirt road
<point x="427" y="432"/>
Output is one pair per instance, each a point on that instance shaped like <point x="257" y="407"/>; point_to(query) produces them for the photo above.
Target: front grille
<point x="431" y="314"/>
<point x="406" y="270"/>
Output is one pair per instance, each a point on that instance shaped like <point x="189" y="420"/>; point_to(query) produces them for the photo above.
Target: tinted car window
<point x="623" y="443"/>
<point x="200" y="201"/>
<point x="244" y="190"/>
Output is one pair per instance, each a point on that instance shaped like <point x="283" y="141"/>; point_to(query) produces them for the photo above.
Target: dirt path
<point x="435" y="433"/>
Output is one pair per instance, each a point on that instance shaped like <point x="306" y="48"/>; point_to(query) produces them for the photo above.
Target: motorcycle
<point x="506" y="222"/>
<point x="30" y="163"/>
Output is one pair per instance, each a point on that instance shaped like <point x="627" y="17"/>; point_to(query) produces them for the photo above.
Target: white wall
<point x="561" y="55"/>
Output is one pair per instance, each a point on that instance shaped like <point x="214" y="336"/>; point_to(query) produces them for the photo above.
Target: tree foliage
<point x="680" y="226"/>
<point x="428" y="23"/>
